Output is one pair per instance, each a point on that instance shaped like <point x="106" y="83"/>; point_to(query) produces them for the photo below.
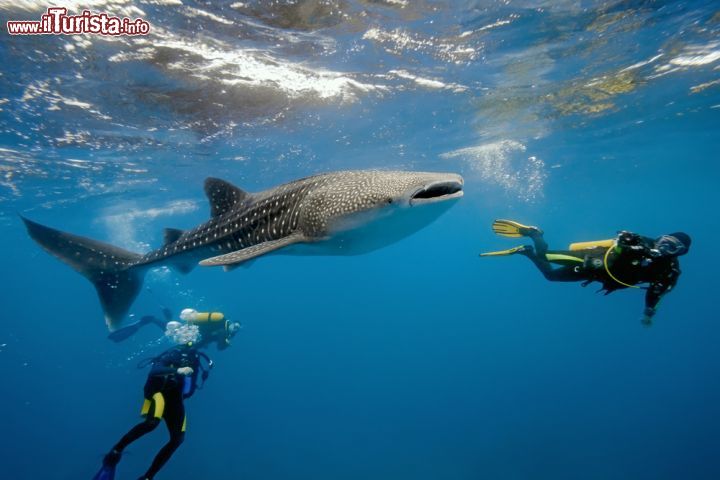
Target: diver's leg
<point x="142" y="428"/>
<point x="571" y="269"/>
<point x="125" y="332"/>
<point x="175" y="421"/>
<point x="541" y="246"/>
<point x="153" y="410"/>
<point x="128" y="331"/>
<point x="566" y="273"/>
<point x="562" y="274"/>
<point x="538" y="254"/>
<point x="154" y="320"/>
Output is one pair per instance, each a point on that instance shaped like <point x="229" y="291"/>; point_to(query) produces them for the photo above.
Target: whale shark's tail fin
<point x="111" y="269"/>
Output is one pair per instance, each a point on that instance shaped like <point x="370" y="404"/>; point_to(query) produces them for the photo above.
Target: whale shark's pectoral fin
<point x="254" y="251"/>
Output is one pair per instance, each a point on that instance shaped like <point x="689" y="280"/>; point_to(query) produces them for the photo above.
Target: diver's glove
<point x="647" y="316"/>
<point x="185" y="371"/>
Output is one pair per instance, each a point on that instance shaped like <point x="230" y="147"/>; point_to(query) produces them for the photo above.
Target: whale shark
<point x="337" y="213"/>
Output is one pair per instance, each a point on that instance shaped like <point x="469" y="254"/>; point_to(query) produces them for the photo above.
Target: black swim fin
<point x="128" y="331"/>
<point x="107" y="472"/>
<point x="110" y="461"/>
<point x="122" y="334"/>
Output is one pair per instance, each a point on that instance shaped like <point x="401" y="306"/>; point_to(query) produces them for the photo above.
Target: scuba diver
<point x="213" y="327"/>
<point x="172" y="378"/>
<point x="622" y="262"/>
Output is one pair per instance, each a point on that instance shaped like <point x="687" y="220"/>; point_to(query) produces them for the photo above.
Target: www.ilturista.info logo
<point x="57" y="22"/>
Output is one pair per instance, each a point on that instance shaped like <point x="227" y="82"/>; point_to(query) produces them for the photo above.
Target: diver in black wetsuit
<point x="624" y="262"/>
<point x="172" y="378"/>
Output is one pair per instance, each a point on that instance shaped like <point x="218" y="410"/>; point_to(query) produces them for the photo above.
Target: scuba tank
<point x="590" y="245"/>
<point x="214" y="326"/>
<point x="190" y="315"/>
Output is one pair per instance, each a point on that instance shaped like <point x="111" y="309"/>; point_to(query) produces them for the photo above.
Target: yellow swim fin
<point x="509" y="251"/>
<point x="512" y="229"/>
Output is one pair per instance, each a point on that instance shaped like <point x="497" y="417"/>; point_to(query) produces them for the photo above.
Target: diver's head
<point x="674" y="244"/>
<point x="233" y="328"/>
<point x="182" y="334"/>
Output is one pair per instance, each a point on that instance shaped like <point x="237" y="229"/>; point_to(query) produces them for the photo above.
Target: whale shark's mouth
<point x="437" y="192"/>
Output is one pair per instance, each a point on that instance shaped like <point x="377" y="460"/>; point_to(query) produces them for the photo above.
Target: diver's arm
<point x="657" y="290"/>
<point x="161" y="324"/>
<point x="160" y="370"/>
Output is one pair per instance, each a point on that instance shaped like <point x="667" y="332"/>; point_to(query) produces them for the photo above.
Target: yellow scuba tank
<point x="591" y="244"/>
<point x="208" y="317"/>
<point x="193" y="316"/>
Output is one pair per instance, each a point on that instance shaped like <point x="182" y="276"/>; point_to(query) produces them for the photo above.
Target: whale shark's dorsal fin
<point x="171" y="235"/>
<point x="234" y="258"/>
<point x="223" y="196"/>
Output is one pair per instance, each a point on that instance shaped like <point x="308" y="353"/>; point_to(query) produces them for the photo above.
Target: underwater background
<point x="417" y="361"/>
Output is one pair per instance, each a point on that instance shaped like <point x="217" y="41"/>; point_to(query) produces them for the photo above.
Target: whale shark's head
<point x="365" y="210"/>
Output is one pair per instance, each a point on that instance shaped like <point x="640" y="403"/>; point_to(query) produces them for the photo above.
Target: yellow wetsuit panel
<point x="560" y="257"/>
<point x="159" y="405"/>
<point x="145" y="407"/>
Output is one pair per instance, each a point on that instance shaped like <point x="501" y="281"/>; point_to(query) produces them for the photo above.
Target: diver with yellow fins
<point x="175" y="375"/>
<point x="214" y="327"/>
<point x="621" y="262"/>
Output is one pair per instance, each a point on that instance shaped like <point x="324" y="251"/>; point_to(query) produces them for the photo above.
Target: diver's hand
<point x="647" y="317"/>
<point x="185" y="371"/>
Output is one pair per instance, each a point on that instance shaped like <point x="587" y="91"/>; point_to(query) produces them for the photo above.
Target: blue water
<point x="417" y="361"/>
